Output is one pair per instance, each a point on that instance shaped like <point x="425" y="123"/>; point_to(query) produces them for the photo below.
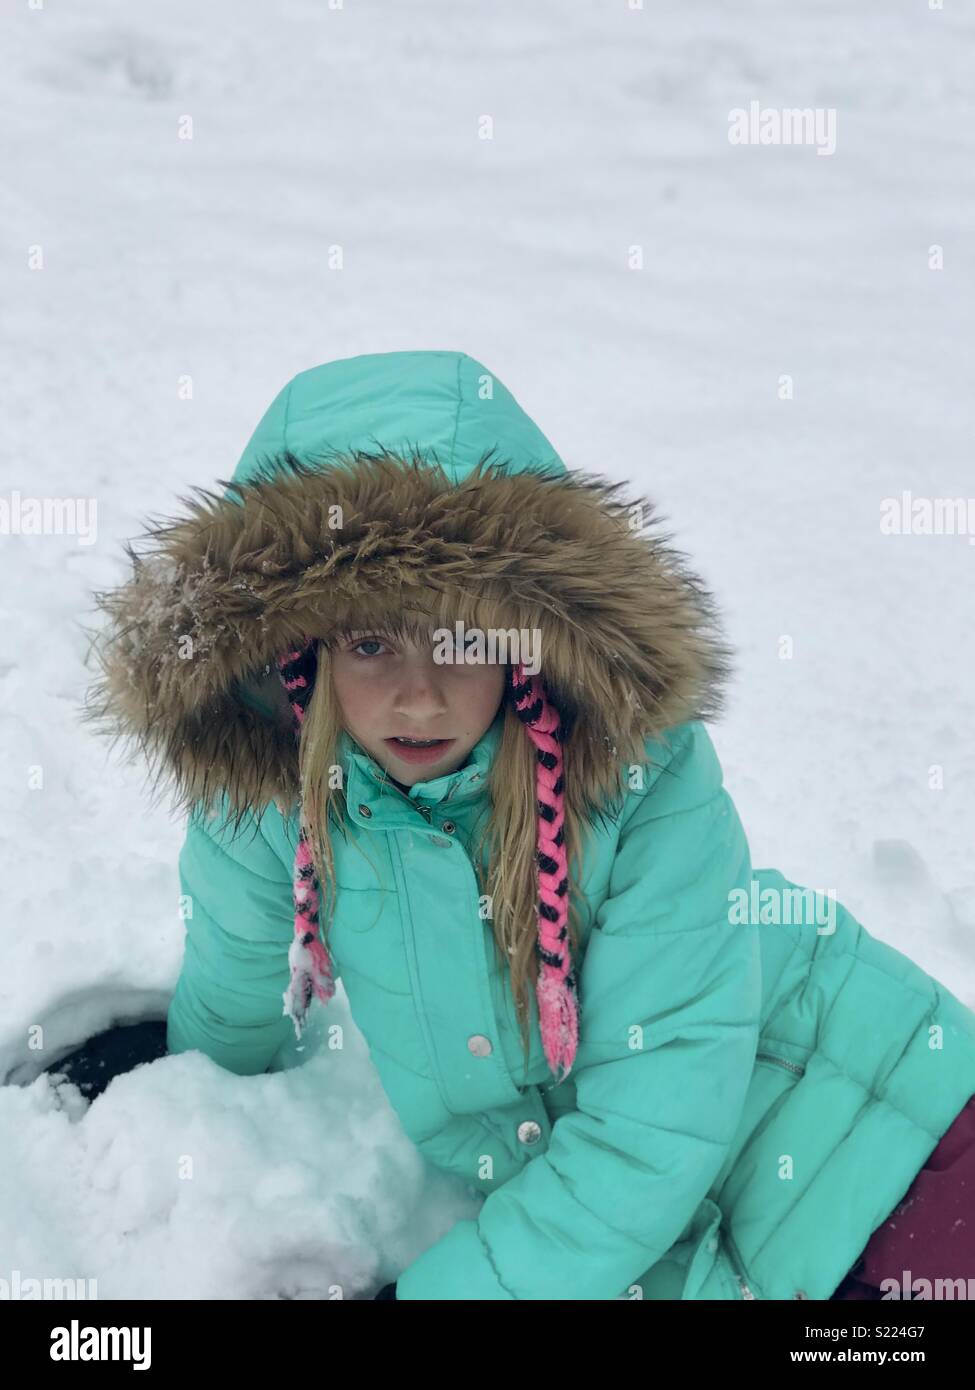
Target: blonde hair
<point x="504" y="858"/>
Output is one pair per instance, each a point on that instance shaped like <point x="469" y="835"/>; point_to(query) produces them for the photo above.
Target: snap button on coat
<point x="364" y="811"/>
<point x="529" y="1132"/>
<point x="448" y="827"/>
<point x="479" y="1045"/>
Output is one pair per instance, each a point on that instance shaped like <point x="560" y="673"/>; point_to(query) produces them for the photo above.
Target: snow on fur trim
<point x="186" y="661"/>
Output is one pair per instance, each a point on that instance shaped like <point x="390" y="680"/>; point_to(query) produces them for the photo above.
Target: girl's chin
<point x="419" y="769"/>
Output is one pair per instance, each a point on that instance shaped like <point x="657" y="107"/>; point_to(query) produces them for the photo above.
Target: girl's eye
<point x="365" y="642"/>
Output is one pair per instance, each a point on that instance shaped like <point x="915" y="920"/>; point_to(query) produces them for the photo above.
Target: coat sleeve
<point x="670" y="996"/>
<point x="239" y="924"/>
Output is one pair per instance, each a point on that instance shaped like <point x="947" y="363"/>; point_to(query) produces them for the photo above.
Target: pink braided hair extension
<point x="556" y="989"/>
<point x="311" y="966"/>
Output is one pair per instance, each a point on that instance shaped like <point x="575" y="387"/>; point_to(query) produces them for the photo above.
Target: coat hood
<point x="397" y="483"/>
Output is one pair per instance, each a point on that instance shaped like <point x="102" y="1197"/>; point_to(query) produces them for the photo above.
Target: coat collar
<point x="368" y="785"/>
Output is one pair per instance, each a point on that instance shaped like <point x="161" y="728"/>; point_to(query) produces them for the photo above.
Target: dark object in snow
<point x="92" y="1065"/>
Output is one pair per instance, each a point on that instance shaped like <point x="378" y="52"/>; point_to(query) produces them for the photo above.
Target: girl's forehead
<point x="426" y="620"/>
<point x="411" y="623"/>
<point x="405" y="627"/>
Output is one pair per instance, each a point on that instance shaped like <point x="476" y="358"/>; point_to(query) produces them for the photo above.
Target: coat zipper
<point x="743" y="1288"/>
<point x="792" y="1066"/>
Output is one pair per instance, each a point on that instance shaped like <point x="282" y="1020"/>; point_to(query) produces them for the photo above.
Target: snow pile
<point x="183" y="1181"/>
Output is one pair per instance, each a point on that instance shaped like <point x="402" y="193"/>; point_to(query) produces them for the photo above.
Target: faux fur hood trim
<point x="630" y="645"/>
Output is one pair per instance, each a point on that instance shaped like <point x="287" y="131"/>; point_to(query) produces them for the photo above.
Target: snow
<point x="184" y="281"/>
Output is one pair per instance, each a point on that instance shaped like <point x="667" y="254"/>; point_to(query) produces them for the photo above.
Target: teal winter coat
<point x="758" y="1079"/>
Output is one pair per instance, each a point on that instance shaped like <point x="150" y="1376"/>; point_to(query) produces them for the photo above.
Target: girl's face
<point x="390" y="687"/>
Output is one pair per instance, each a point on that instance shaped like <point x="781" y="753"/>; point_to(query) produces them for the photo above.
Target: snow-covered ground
<point x="135" y="262"/>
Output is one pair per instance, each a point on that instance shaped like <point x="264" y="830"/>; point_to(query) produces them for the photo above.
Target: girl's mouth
<point x="420" y="751"/>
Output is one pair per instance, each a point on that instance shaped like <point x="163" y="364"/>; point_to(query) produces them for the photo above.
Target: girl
<point x="669" y="1074"/>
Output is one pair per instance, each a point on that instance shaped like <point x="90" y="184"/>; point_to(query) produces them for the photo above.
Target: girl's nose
<point x="419" y="694"/>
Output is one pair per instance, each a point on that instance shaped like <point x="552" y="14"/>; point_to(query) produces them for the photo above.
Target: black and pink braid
<point x="557" y="987"/>
<point x="311" y="966"/>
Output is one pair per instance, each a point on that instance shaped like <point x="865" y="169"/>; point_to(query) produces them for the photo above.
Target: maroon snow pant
<point x="931" y="1233"/>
